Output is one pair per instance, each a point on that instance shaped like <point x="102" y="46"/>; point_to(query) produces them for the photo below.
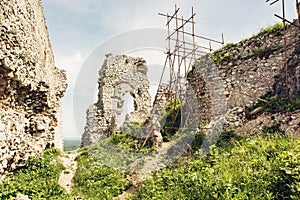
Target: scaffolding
<point x="284" y="21"/>
<point x="181" y="53"/>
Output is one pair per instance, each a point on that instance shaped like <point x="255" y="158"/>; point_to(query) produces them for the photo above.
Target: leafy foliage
<point x="38" y="179"/>
<point x="274" y="104"/>
<point x="276" y="29"/>
<point x="125" y="141"/>
<point x="254" y="168"/>
<point x="129" y="140"/>
<point x="220" y="56"/>
<point x="173" y="120"/>
<point x="227" y="139"/>
<point x="96" y="181"/>
<point x="197" y="142"/>
<point x="275" y="129"/>
<point x="228" y="45"/>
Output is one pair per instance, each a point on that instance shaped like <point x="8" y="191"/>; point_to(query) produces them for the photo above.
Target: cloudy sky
<point x="82" y="29"/>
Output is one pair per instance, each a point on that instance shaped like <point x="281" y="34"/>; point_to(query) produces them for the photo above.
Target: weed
<point x="276" y="29"/>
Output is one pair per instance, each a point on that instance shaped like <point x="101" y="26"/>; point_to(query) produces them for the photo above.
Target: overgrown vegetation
<point x="267" y="130"/>
<point x="252" y="168"/>
<point x="130" y="139"/>
<point x="275" y="29"/>
<point x="263" y="52"/>
<point x="171" y="123"/>
<point x="38" y="179"/>
<point x="219" y="57"/>
<point x="274" y="104"/>
<point x="228" y="45"/>
<point x="258" y="167"/>
<point x="94" y="180"/>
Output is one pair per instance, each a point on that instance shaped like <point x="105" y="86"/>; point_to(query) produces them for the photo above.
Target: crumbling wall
<point x="119" y="75"/>
<point x="31" y="87"/>
<point x="250" y="69"/>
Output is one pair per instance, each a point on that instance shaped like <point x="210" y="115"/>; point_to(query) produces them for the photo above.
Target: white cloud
<point x="71" y="63"/>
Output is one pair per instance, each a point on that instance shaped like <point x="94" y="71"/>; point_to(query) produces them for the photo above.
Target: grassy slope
<point x="250" y="168"/>
<point x="93" y="180"/>
<point x="253" y="168"/>
<point x="38" y="179"/>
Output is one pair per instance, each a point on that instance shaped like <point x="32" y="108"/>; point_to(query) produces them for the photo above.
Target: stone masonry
<point x="119" y="75"/>
<point x="31" y="87"/>
<point x="248" y="70"/>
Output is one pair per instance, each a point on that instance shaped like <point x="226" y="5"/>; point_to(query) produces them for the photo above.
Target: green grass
<point x="253" y="168"/>
<point x="38" y="179"/>
<point x="94" y="180"/>
<point x="258" y="167"/>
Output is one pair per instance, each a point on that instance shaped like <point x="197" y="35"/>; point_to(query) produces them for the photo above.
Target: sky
<point x="83" y="31"/>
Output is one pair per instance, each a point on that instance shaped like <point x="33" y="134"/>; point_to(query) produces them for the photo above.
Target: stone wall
<point x="118" y="76"/>
<point x="31" y="87"/>
<point x="248" y="70"/>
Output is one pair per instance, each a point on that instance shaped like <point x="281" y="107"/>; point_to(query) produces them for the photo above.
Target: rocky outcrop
<point x="31" y="87"/>
<point x="248" y="70"/>
<point x="118" y="76"/>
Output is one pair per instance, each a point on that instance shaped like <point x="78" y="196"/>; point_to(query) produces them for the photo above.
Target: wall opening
<point x="128" y="107"/>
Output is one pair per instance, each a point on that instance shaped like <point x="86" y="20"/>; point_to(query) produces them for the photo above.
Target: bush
<point x="129" y="139"/>
<point x="227" y="139"/>
<point x="125" y="141"/>
<point x="276" y="29"/>
<point x="228" y="45"/>
<point x="173" y="120"/>
<point x="197" y="142"/>
<point x="288" y="181"/>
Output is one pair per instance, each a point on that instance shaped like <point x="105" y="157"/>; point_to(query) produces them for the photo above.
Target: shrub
<point x="228" y="45"/>
<point x="129" y="139"/>
<point x="172" y="120"/>
<point x="197" y="142"/>
<point x="276" y="29"/>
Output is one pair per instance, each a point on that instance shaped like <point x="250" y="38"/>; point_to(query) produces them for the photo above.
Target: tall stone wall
<point x="248" y="70"/>
<point x="31" y="87"/>
<point x="118" y="76"/>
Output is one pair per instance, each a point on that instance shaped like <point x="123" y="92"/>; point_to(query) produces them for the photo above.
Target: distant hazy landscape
<point x="71" y="144"/>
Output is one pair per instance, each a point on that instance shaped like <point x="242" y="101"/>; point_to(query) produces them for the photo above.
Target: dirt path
<point x="144" y="173"/>
<point x="65" y="179"/>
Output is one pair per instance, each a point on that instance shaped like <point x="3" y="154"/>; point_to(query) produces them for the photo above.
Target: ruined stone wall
<point x="31" y="87"/>
<point x="248" y="70"/>
<point x="118" y="76"/>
